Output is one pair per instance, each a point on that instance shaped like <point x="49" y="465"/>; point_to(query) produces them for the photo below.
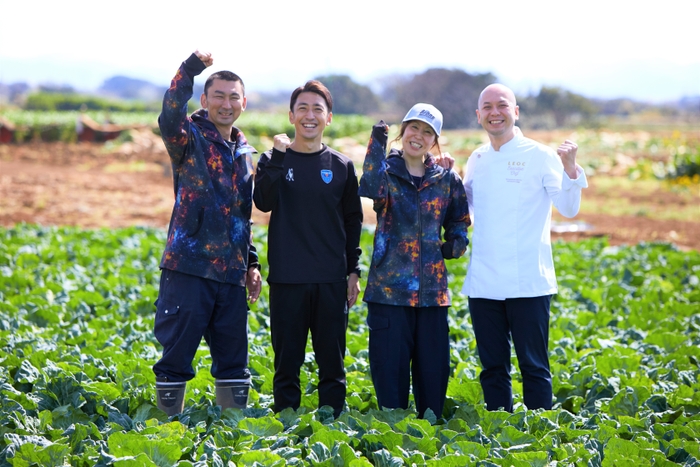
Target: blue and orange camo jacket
<point x="210" y="228"/>
<point x="408" y="261"/>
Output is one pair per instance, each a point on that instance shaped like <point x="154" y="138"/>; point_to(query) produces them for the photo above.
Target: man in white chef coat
<point x="511" y="184"/>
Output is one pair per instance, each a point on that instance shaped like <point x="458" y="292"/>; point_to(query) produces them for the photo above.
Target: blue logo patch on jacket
<point x="327" y="175"/>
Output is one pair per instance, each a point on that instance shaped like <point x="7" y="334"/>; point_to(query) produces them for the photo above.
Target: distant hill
<point x="690" y="103"/>
<point x="568" y="107"/>
<point x="124" y="87"/>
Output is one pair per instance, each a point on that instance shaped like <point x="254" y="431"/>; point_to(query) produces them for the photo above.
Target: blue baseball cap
<point x="426" y="113"/>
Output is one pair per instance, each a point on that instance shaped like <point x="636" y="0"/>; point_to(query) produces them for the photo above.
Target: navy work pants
<point x="189" y="308"/>
<point x="409" y="343"/>
<point x="296" y="309"/>
<point x="526" y="320"/>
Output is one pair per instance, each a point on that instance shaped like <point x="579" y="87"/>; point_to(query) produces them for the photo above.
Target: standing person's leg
<point x="329" y="324"/>
<point x="431" y="359"/>
<point x="390" y="349"/>
<point x="491" y="329"/>
<point x="529" y="318"/>
<point x="227" y="336"/>
<point x="183" y="312"/>
<point x="289" y="328"/>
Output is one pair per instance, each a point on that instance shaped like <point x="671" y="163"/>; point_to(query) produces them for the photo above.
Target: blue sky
<point x="597" y="48"/>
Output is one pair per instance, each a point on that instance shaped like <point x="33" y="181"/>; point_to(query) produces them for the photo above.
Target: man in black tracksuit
<point x="313" y="248"/>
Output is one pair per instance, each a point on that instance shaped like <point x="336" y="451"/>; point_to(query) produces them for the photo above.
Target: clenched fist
<point x="567" y="153"/>
<point x="205" y="57"/>
<point x="281" y="142"/>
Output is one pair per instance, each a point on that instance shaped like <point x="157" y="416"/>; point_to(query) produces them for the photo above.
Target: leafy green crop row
<point x="76" y="386"/>
<point x="52" y="101"/>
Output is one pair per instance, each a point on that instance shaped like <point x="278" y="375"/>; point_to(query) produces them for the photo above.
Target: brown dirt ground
<point x="96" y="185"/>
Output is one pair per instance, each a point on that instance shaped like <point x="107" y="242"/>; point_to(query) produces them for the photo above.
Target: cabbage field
<point x="76" y="386"/>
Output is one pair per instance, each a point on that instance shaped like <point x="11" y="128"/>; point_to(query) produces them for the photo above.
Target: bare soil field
<point x="95" y="185"/>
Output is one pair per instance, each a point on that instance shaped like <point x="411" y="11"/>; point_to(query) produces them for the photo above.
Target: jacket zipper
<point x="420" y="249"/>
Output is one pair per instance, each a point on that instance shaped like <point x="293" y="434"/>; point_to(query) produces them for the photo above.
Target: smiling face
<point x="224" y="101"/>
<point x="310" y="117"/>
<point x="417" y="139"/>
<point x="498" y="112"/>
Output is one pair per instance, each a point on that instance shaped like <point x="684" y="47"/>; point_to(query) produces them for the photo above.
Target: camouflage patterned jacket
<point x="408" y="267"/>
<point x="210" y="229"/>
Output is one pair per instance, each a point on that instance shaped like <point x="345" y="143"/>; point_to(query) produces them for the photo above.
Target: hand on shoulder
<point x="445" y="160"/>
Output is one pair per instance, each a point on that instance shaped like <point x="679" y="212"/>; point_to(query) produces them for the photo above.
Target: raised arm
<point x="173" y="121"/>
<point x="373" y="182"/>
<point x="564" y="179"/>
<point x="269" y="174"/>
<point x="567" y="153"/>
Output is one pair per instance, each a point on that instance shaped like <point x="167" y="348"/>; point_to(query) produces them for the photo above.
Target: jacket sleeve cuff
<point x="580" y="180"/>
<point x="253" y="259"/>
<point x="193" y="65"/>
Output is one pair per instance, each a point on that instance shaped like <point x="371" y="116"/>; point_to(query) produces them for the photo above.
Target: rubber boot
<point x="170" y="396"/>
<point x="232" y="393"/>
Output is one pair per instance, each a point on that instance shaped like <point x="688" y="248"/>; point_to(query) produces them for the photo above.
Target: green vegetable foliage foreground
<point x="76" y="345"/>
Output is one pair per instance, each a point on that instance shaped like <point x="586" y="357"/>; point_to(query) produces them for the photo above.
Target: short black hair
<point x="223" y="75"/>
<point x="316" y="87"/>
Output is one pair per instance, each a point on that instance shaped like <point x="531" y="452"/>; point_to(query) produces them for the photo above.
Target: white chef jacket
<point x="510" y="194"/>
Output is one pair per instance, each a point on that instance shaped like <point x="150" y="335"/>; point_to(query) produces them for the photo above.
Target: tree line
<point x="455" y="92"/>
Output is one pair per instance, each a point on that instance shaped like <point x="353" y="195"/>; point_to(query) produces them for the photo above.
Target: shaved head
<point x="498" y="89"/>
<point x="497" y="113"/>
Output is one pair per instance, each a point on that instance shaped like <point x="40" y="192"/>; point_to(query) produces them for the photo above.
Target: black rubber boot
<point x="232" y="393"/>
<point x="171" y="396"/>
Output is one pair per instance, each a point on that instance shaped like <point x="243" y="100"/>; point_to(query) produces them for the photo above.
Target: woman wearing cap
<point x="418" y="204"/>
